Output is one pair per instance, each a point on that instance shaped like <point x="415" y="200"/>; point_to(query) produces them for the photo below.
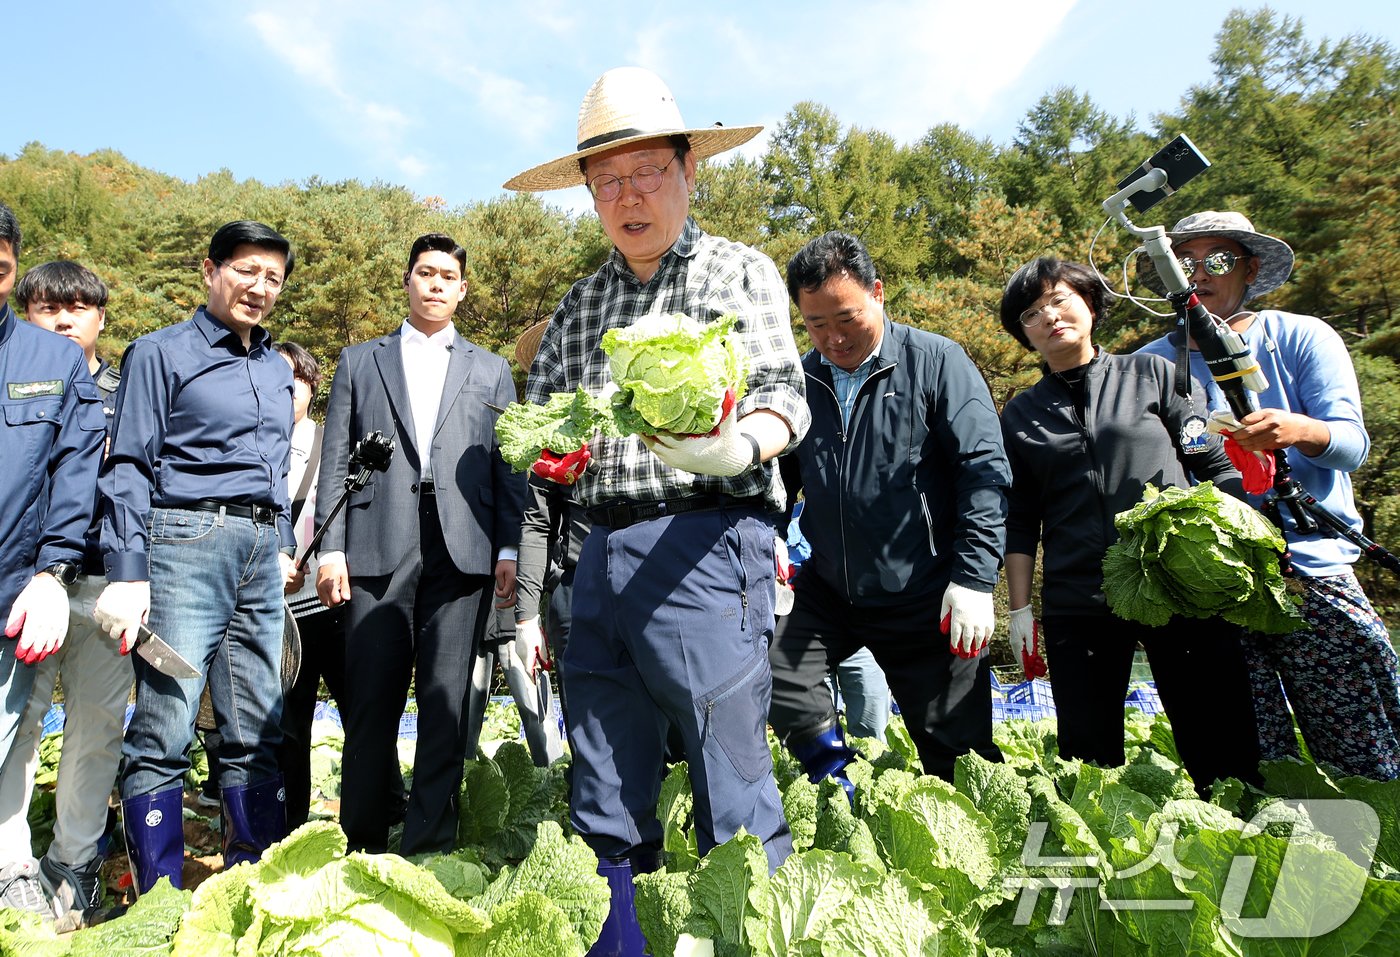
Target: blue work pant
<point x="671" y="623"/>
<point x="216" y="598"/>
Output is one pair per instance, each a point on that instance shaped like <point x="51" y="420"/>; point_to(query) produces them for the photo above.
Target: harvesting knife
<point x="161" y="656"/>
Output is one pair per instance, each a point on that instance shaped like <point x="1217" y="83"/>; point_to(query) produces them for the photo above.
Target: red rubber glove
<point x="564" y="469"/>
<point x="1256" y="468"/>
<point x="1025" y="639"/>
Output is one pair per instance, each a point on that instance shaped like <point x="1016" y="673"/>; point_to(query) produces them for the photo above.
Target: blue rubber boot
<point x="621" y="936"/>
<point x="825" y="754"/>
<point x="154" y="828"/>
<point x="255" y="818"/>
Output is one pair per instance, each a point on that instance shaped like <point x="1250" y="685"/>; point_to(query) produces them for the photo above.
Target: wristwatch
<point x="757" y="451"/>
<point x="66" y="572"/>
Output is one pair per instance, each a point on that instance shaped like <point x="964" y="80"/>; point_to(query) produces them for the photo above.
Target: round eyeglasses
<point x="644" y="179"/>
<point x="248" y="277"/>
<point x="1222" y="262"/>
<point x="1058" y="304"/>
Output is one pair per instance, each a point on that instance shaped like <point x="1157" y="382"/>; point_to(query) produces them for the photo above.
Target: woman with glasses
<point x="1083" y="443"/>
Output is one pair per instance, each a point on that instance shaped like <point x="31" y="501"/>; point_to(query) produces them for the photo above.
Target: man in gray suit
<point x="415" y="551"/>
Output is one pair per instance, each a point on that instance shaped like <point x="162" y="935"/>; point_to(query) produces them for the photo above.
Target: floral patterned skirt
<point x="1342" y="678"/>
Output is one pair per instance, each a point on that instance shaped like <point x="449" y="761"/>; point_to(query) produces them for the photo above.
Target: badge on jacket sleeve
<point x="33" y="390"/>
<point x="1194" y="437"/>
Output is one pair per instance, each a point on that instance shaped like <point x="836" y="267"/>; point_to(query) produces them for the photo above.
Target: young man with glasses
<point x="1339" y="672"/>
<point x="198" y="544"/>
<point x="674" y="587"/>
<point x="51" y="445"/>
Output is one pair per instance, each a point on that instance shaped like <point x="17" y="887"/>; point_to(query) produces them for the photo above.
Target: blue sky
<point x="452" y="98"/>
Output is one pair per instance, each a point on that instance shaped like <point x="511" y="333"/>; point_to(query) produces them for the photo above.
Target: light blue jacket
<point x="1309" y="372"/>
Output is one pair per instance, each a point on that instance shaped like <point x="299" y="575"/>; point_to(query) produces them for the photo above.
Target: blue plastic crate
<point x="1009" y="710"/>
<point x="1144" y="697"/>
<point x="1035" y="692"/>
<point x="325" y="711"/>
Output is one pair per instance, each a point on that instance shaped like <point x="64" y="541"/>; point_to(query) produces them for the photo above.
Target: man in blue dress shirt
<point x="197" y="540"/>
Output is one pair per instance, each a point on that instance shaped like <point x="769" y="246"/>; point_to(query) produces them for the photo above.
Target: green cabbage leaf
<point x="1200" y="553"/>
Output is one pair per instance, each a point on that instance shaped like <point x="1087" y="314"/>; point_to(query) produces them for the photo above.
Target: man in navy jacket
<point x="905" y="481"/>
<point x="51" y="444"/>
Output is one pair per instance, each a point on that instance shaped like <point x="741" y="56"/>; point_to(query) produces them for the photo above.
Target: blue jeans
<point x="216" y="598"/>
<point x="860" y="681"/>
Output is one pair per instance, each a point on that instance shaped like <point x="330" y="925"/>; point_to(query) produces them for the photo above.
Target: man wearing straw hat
<point x="673" y="592"/>
<point x="1339" y="671"/>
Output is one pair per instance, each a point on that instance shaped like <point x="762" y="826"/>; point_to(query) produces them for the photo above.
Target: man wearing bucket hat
<point x="1339" y="672"/>
<point x="673" y="591"/>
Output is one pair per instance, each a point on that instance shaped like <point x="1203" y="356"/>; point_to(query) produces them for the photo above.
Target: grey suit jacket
<point x="479" y="500"/>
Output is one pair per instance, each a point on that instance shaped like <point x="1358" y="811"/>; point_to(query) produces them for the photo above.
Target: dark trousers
<point x="1200" y="672"/>
<point x="946" y="700"/>
<point x="322" y="656"/>
<point x="556" y="629"/>
<point x="414" y="624"/>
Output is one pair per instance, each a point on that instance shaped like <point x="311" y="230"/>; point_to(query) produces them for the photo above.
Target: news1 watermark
<point x="1297" y="906"/>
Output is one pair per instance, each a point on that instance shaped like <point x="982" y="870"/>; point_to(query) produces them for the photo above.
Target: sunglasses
<point x="1220" y="263"/>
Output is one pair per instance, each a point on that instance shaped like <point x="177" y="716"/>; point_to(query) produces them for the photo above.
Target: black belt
<point x="262" y="514"/>
<point x="623" y="514"/>
<point x="427" y="488"/>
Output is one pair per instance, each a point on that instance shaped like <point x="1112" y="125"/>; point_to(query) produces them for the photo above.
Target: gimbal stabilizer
<point x="1232" y="365"/>
<point x="371" y="454"/>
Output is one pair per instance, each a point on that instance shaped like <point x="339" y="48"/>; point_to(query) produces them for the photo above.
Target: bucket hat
<point x="1275" y="256"/>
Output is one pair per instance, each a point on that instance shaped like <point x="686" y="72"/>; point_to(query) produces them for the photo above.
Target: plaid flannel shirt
<point x="704" y="277"/>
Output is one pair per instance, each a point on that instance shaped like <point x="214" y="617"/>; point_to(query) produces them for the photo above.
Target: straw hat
<point x="529" y="343"/>
<point x="1275" y="256"/>
<point x="628" y="105"/>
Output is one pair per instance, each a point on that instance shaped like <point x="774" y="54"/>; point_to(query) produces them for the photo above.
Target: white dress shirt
<point x="425" y="361"/>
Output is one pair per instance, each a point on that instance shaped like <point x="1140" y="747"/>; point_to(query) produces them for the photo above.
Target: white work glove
<point x="784" y="597"/>
<point x="530" y="646"/>
<point x="967" y="618"/>
<point x="1025" y="642"/>
<point x="120" y="608"/>
<point x="728" y="452"/>
<point x="39" y="617"/>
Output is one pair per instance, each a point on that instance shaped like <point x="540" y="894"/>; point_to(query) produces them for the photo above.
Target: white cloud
<point x="949" y="61"/>
<point x="307" y="51"/>
<point x="413" y="167"/>
<point x="900" y="66"/>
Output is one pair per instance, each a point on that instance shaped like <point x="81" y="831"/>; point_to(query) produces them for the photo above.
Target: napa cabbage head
<point x="1201" y="553"/>
<point x="673" y="372"/>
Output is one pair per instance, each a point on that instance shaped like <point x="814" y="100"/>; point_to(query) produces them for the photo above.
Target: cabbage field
<point x="1036" y="855"/>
